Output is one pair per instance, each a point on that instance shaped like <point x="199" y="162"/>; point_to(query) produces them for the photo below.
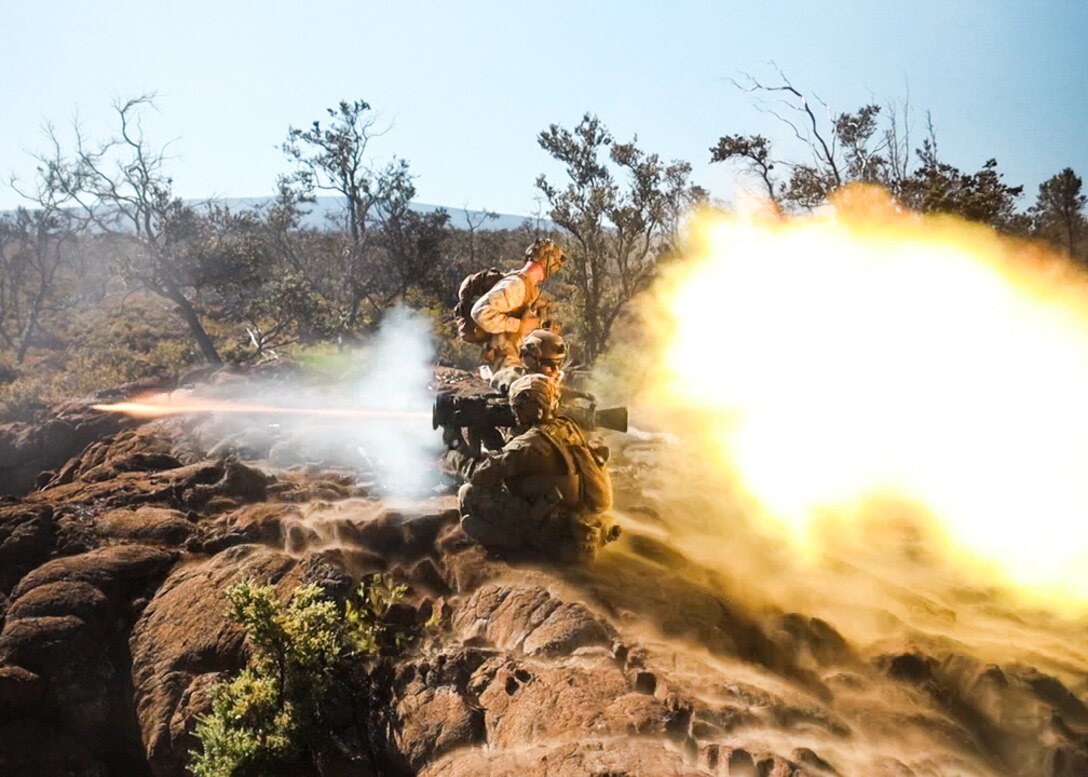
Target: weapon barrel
<point x="589" y="419"/>
<point x="614" y="418"/>
<point x="492" y="411"/>
<point x="475" y="412"/>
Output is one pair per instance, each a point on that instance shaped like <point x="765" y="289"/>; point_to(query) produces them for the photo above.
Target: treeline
<point x="103" y="235"/>
<point x="102" y="222"/>
<point x="102" y="218"/>
<point x="873" y="145"/>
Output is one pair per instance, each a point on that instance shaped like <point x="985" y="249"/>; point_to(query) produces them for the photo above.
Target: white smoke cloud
<point x="396" y="379"/>
<point x="371" y="417"/>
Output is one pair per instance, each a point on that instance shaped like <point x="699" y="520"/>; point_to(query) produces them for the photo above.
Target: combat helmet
<point x="533" y="397"/>
<point x="547" y="254"/>
<point x="543" y="348"/>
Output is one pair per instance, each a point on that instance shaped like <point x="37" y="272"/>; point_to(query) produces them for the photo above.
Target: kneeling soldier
<point x="546" y="491"/>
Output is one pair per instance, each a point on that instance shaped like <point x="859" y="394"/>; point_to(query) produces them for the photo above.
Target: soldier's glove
<point x="451" y="438"/>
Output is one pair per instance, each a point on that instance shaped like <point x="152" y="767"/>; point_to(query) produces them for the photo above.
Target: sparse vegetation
<point x="107" y="277"/>
<point x="271" y="714"/>
<point x="873" y="144"/>
<point x="621" y="209"/>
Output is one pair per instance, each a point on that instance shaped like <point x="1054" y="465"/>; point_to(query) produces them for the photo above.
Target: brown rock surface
<point x="184" y="642"/>
<point x="67" y="625"/>
<point x="149" y="525"/>
<point x="530" y="620"/>
<point x="26" y="540"/>
<point x="615" y="756"/>
<point x="27" y="450"/>
<point x="650" y="662"/>
<point x="38" y="749"/>
<point x="435" y="710"/>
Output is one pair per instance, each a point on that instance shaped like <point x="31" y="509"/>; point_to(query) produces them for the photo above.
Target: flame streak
<point x="868" y="352"/>
<point x="162" y="405"/>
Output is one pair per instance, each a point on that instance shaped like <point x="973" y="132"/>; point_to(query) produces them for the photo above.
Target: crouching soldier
<point x="542" y="351"/>
<point x="547" y="491"/>
<point x="509" y="310"/>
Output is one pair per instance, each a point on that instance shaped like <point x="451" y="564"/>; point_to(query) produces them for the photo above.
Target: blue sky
<point x="467" y="86"/>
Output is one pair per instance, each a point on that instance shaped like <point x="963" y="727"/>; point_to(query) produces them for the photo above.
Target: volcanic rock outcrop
<point x="651" y="662"/>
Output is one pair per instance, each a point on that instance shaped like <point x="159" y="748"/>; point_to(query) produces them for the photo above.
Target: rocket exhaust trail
<point x="161" y="405"/>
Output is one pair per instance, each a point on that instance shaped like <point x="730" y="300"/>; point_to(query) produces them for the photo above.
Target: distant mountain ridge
<point x="319" y="212"/>
<point x="323" y="210"/>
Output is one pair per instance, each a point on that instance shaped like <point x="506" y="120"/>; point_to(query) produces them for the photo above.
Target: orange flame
<point x="865" y="352"/>
<point x="161" y="405"/>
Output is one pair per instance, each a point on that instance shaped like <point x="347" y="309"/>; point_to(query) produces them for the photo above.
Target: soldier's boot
<point x="580" y="545"/>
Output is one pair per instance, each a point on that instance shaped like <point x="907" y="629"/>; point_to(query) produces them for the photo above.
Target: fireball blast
<point x="865" y="352"/>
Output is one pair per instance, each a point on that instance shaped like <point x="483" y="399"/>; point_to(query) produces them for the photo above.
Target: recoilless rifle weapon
<point x="483" y="414"/>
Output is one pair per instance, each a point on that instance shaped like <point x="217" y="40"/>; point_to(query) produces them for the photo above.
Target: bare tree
<point x="843" y="148"/>
<point x="854" y="147"/>
<point x="41" y="232"/>
<point x="10" y="263"/>
<point x="335" y="158"/>
<point x="123" y="188"/>
<point x="619" y="231"/>
<point x="473" y="221"/>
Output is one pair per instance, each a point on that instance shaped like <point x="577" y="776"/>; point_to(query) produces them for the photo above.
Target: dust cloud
<point x="873" y="416"/>
<point x="878" y="420"/>
<point x="399" y="369"/>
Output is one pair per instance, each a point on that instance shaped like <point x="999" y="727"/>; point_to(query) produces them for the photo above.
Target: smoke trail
<point x="366" y="410"/>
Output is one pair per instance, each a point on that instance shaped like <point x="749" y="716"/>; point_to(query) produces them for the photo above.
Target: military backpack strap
<point x="573" y="475"/>
<point x="594" y="484"/>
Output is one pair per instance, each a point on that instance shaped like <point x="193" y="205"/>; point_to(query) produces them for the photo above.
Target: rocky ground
<point x="119" y="538"/>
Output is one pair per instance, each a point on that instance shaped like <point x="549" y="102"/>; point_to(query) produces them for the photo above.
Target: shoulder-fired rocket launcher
<point x="491" y="410"/>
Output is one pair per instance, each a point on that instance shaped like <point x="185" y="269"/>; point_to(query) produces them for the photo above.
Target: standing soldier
<point x="507" y="312"/>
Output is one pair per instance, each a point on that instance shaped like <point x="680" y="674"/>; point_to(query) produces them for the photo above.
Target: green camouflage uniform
<point x="525" y="498"/>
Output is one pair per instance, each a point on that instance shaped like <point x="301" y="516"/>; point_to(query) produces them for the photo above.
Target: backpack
<point x="595" y="486"/>
<point x="472" y="288"/>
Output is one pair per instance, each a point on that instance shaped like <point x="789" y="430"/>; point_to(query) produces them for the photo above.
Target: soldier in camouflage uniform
<point x="508" y="310"/>
<point x="528" y="497"/>
<point x="542" y="351"/>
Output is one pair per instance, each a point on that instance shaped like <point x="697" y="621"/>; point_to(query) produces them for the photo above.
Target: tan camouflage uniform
<point x="499" y="313"/>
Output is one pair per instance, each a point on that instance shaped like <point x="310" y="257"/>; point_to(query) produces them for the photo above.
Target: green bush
<point x="25" y="397"/>
<point x="270" y="714"/>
